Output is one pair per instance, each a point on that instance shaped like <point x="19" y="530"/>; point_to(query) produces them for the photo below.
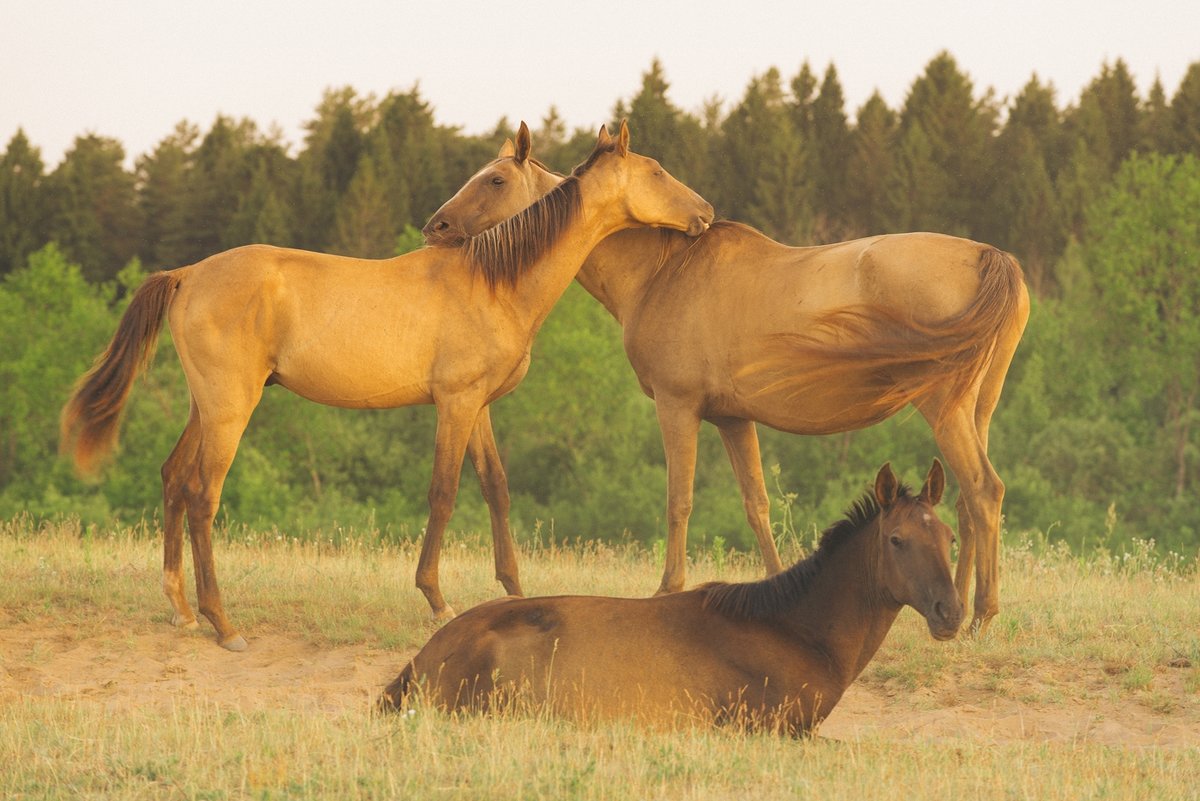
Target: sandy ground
<point x="157" y="665"/>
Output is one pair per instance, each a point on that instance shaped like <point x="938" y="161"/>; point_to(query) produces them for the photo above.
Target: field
<point x="1087" y="685"/>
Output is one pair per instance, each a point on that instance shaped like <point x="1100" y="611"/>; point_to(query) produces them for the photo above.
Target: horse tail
<point x="907" y="361"/>
<point x="91" y="420"/>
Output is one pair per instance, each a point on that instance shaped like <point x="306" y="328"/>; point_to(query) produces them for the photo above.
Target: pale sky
<point x="132" y="69"/>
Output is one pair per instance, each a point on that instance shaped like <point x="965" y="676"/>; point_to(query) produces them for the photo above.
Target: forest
<point x="1096" y="436"/>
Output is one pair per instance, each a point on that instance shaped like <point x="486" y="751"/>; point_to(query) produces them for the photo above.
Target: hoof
<point x="442" y="615"/>
<point x="979" y="626"/>
<point x="184" y="623"/>
<point x="235" y="643"/>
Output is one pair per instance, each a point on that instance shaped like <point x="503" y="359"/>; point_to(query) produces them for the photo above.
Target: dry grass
<point x="1100" y="642"/>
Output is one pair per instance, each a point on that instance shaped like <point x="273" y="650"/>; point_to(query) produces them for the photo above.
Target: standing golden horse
<point x="448" y="326"/>
<point x="776" y="654"/>
<point x="735" y="328"/>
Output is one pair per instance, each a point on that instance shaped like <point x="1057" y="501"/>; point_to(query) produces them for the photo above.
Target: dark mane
<point x="506" y="251"/>
<point x="756" y="600"/>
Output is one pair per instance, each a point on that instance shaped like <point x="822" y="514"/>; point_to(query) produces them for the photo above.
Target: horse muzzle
<point x="701" y="223"/>
<point x="440" y="232"/>
<point x="944" y="619"/>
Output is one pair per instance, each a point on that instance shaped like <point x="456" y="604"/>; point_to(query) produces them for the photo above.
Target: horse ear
<point x="623" y="139"/>
<point x="887" y="487"/>
<point x="935" y="484"/>
<point x="524" y="142"/>
<point x="604" y="138"/>
<point x="506" y="150"/>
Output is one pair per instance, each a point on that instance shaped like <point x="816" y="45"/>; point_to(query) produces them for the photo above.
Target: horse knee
<point x="679" y="511"/>
<point x="757" y="509"/>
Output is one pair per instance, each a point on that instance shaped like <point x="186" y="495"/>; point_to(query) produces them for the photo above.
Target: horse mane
<point x="506" y="251"/>
<point x="758" y="600"/>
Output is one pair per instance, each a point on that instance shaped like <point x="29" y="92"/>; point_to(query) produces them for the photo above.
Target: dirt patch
<point x="158" y="666"/>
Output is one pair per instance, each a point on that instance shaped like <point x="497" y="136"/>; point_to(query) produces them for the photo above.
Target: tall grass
<point x="1107" y="629"/>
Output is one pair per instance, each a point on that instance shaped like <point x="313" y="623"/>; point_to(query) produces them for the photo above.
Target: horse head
<point x="504" y="186"/>
<point x="514" y="180"/>
<point x="646" y="193"/>
<point x="915" y="551"/>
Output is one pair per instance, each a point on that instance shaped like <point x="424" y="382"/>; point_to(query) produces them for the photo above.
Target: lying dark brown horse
<point x="735" y="328"/>
<point x="450" y="327"/>
<point x="775" y="654"/>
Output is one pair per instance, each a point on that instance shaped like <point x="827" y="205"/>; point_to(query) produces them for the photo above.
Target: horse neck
<point x="618" y="270"/>
<point x="845" y="613"/>
<point x="547" y="280"/>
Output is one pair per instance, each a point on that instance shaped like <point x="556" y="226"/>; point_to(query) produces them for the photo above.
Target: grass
<point x="1105" y="631"/>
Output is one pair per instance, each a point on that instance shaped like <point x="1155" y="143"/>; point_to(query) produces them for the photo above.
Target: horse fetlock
<point x="511" y="584"/>
<point x="184" y="621"/>
<point x="441" y="615"/>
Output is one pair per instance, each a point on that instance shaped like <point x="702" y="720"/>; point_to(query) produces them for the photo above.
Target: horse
<point x="776" y="654"/>
<point x="736" y="328"/>
<point x="448" y="326"/>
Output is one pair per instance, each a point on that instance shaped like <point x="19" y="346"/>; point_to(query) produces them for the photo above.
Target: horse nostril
<point x="441" y="225"/>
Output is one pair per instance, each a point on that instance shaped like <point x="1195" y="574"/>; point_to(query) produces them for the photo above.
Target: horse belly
<point x="354" y="383"/>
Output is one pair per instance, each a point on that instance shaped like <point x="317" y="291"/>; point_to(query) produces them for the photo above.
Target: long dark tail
<point x="396" y="693"/>
<point x="91" y="420"/>
<point x="911" y="360"/>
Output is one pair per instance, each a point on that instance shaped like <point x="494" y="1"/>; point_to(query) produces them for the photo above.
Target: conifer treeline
<point x="787" y="157"/>
<point x="1097" y="436"/>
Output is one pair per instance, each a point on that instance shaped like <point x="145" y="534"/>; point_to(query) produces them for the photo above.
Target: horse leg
<point x="493" y="482"/>
<point x="219" y="440"/>
<point x="741" y="443"/>
<point x="456" y="421"/>
<point x="175" y="471"/>
<point x="981" y="493"/>
<point x="680" y="426"/>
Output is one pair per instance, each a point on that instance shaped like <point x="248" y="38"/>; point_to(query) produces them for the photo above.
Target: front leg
<point x="741" y="443"/>
<point x="680" y="424"/>
<point x="456" y="421"/>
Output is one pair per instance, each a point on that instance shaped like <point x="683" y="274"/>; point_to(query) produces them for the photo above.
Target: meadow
<point x="1086" y="686"/>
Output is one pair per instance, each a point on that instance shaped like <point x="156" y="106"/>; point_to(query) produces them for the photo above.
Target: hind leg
<point x="222" y="430"/>
<point x="485" y="456"/>
<point x="741" y="443"/>
<point x="981" y="493"/>
<point x="176" y="470"/>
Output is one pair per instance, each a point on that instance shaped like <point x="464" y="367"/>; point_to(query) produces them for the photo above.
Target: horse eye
<point x="497" y="181"/>
<point x="896" y="540"/>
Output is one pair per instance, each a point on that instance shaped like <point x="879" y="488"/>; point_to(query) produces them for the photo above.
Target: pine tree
<point x="829" y="151"/>
<point x="869" y="164"/>
<point x="1109" y="104"/>
<point x="764" y="164"/>
<point x="416" y="156"/>
<point x="23" y="219"/>
<point x="1185" y="113"/>
<point x="954" y="146"/>
<point x="163" y="179"/>
<point x="365" y="225"/>
<point x="1025" y="211"/>
<point x="1155" y="129"/>
<point x="94" y="210"/>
